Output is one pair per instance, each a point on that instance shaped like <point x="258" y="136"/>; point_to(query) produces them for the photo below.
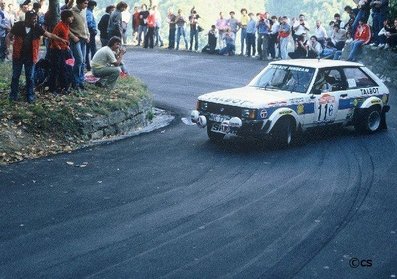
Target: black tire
<point x="284" y="132"/>
<point x="370" y="121"/>
<point x="213" y="136"/>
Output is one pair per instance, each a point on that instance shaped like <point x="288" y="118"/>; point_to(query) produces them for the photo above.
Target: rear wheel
<point x="213" y="136"/>
<point x="284" y="132"/>
<point x="370" y="121"/>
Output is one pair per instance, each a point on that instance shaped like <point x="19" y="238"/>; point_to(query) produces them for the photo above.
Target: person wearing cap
<point x="26" y="35"/>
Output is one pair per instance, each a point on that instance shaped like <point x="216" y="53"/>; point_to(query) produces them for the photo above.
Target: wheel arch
<point x="283" y="113"/>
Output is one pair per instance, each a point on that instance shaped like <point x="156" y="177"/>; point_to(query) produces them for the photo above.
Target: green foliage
<point x="59" y="115"/>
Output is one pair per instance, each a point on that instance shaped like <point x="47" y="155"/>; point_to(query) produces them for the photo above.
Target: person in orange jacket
<point x="361" y="37"/>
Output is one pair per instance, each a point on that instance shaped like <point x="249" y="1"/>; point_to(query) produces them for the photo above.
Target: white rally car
<point x="291" y="96"/>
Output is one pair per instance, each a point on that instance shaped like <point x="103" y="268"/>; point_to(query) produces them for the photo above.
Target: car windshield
<point x="285" y="77"/>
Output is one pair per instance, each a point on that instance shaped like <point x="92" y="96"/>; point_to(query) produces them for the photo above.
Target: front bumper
<point x="230" y="125"/>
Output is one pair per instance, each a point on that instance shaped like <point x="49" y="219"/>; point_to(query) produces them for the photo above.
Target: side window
<point x="337" y="80"/>
<point x="356" y="78"/>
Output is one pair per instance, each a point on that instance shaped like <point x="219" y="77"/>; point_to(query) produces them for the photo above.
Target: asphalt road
<point x="171" y="204"/>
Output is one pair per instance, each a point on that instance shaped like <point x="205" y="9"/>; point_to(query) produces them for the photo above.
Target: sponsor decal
<point x="263" y="114"/>
<point x="230" y="101"/>
<point x="369" y="91"/>
<point x="326" y="99"/>
<point x="285" y="112"/>
<point x="297" y="101"/>
<point x="375" y="102"/>
<point x="278" y="103"/>
<point x="300" y="109"/>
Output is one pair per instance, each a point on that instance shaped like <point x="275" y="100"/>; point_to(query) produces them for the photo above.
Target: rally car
<point x="290" y="96"/>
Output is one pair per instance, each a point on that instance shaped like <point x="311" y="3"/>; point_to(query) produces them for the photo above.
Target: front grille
<point x="224" y="109"/>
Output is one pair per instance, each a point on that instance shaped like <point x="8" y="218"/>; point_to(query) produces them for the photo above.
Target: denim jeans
<point x="361" y="15"/>
<point x="180" y="31"/>
<point x="356" y="45"/>
<point x="17" y="65"/>
<point x="3" y="49"/>
<point x="284" y="47"/>
<point x="142" y="29"/>
<point x="194" y="34"/>
<point x="78" y="49"/>
<point x="243" y="39"/>
<point x="377" y="25"/>
<point x="171" y="38"/>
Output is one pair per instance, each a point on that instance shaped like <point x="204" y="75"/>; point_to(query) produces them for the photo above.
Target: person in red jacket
<point x="151" y="24"/>
<point x="361" y="37"/>
<point x="25" y="52"/>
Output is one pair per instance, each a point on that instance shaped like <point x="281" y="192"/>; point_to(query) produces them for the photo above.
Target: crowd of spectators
<point x="73" y="46"/>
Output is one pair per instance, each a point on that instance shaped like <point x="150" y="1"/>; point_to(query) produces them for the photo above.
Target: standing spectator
<point x="151" y="25"/>
<point x="106" y="64"/>
<point x="380" y="9"/>
<point x="363" y="13"/>
<point x="180" y="23"/>
<point x="263" y="27"/>
<point x="221" y="26"/>
<point x="320" y="33"/>
<point x="251" y="30"/>
<point x="25" y="53"/>
<point x="23" y="9"/>
<point x="115" y="27"/>
<point x="135" y="25"/>
<point x="92" y="29"/>
<point x="80" y="36"/>
<point x="243" y="26"/>
<point x="125" y="19"/>
<point x="142" y="29"/>
<point x="283" y="33"/>
<point x="233" y="24"/>
<point x="338" y="37"/>
<point x="5" y="27"/>
<point x="158" y="39"/>
<point x="338" y="21"/>
<point x="362" y="36"/>
<point x="171" y="19"/>
<point x="61" y="74"/>
<point x="300" y="27"/>
<point x="12" y="14"/>
<point x="273" y="36"/>
<point x="314" y="48"/>
<point x="352" y="15"/>
<point x="193" y="20"/>
<point x="103" y="25"/>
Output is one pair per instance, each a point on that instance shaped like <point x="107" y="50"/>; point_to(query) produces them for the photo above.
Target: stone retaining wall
<point x="382" y="62"/>
<point x="117" y="122"/>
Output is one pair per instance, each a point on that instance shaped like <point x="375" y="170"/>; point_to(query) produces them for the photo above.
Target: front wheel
<point x="284" y="132"/>
<point x="370" y="121"/>
<point x="214" y="136"/>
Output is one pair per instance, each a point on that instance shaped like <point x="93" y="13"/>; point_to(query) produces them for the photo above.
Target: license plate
<point x="217" y="127"/>
<point x="218" y="117"/>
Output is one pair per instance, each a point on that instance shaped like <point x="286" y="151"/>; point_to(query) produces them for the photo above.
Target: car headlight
<point x="201" y="105"/>
<point x="248" y="113"/>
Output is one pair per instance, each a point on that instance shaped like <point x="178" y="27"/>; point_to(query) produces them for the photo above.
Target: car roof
<point x="316" y="63"/>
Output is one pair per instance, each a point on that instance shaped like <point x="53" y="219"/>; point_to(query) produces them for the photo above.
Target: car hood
<point x="249" y="97"/>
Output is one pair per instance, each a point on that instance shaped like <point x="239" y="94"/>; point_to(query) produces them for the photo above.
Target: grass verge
<point x="52" y="124"/>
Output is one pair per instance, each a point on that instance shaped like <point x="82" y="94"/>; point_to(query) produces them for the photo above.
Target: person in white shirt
<point x="314" y="48"/>
<point x="300" y="27"/>
<point x="320" y="33"/>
